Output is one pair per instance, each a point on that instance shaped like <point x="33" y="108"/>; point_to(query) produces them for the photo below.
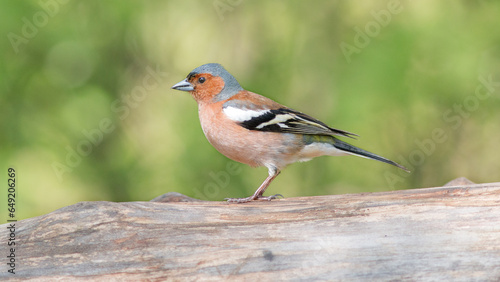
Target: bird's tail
<point x="350" y="149"/>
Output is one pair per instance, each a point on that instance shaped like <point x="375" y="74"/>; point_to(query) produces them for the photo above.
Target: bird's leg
<point x="260" y="191"/>
<point x="273" y="172"/>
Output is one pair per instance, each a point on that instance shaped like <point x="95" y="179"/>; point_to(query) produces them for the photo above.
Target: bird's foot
<point x="253" y="198"/>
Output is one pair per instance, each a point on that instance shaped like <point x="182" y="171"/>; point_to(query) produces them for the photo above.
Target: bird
<point x="255" y="130"/>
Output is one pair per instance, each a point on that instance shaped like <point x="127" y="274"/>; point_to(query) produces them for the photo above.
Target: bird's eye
<point x="201" y="79"/>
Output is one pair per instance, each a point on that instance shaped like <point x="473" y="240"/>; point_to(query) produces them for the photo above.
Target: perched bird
<point x="255" y="130"/>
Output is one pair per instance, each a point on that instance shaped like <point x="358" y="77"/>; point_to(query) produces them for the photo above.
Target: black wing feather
<point x="286" y="120"/>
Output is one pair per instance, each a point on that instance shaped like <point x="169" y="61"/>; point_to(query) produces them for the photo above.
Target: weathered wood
<point x="446" y="233"/>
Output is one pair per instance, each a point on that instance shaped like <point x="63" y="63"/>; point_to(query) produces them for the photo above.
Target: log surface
<point x="445" y="233"/>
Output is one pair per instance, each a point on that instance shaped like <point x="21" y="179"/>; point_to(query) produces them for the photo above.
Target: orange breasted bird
<point x="257" y="131"/>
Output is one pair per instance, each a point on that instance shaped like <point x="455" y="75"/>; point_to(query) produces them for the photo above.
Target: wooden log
<point x="446" y="233"/>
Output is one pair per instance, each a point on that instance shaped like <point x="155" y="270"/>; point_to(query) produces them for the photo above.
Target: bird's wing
<point x="273" y="117"/>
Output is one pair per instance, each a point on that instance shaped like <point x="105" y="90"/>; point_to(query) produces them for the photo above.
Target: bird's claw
<point x="275" y="196"/>
<point x="253" y="198"/>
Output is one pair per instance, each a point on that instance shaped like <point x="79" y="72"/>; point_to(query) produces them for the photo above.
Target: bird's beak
<point x="183" y="86"/>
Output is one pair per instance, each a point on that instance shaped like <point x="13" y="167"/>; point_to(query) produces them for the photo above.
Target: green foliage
<point x="88" y="113"/>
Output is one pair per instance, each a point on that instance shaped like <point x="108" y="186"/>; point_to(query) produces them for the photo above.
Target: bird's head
<point x="209" y="82"/>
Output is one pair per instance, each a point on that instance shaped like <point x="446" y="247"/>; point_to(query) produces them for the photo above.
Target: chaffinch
<point x="255" y="130"/>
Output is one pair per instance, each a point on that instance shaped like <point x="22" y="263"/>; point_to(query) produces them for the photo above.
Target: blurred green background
<point x="88" y="113"/>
